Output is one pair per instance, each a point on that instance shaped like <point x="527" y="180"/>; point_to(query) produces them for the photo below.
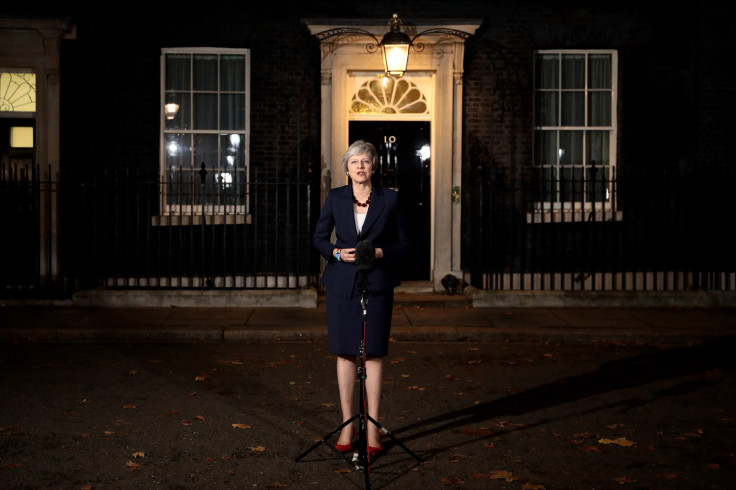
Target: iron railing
<point x="117" y="231"/>
<point x="644" y="230"/>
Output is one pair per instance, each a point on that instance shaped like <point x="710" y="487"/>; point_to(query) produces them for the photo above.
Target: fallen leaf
<point x="329" y="404"/>
<point x="130" y="406"/>
<point x="667" y="476"/>
<point x="258" y="449"/>
<point x="10" y="466"/>
<point x="713" y="466"/>
<point x="201" y="377"/>
<point x="453" y="480"/>
<point x="588" y="449"/>
<point x="502" y="475"/>
<point x="532" y="486"/>
<point x="199" y="417"/>
<point x="230" y="472"/>
<point x="242" y="426"/>
<point x="85" y="487"/>
<point x="620" y="441"/>
<point x="109" y="432"/>
<point x="139" y="454"/>
<point x="622" y="480"/>
<point x="132" y="466"/>
<point x="690" y="435"/>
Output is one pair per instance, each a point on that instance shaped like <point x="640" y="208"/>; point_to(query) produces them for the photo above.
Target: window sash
<point x="574" y="132"/>
<point x="204" y="157"/>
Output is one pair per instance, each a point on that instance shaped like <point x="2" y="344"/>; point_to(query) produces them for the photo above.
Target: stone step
<point x="423" y="300"/>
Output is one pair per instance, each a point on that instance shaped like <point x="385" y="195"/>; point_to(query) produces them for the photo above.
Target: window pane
<point x="177" y="71"/>
<point x="571" y="147"/>
<point x="546" y="110"/>
<point x="599" y="109"/>
<point x="233" y="151"/>
<point x="599" y="71"/>
<point x="205" y="151"/>
<point x="571" y="184"/>
<point x="232" y="111"/>
<point x="205" y="111"/>
<point x="205" y="72"/>
<point x="233" y="73"/>
<point x="547" y="71"/>
<point x="598" y="147"/>
<point x="178" y="151"/>
<point x="17" y="91"/>
<point x="573" y="71"/>
<point x="545" y="143"/>
<point x="598" y="187"/>
<point x="573" y="108"/>
<point x="182" y="118"/>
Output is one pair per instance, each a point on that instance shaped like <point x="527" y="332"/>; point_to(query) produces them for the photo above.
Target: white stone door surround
<point x="440" y="64"/>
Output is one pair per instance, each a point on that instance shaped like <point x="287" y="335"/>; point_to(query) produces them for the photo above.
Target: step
<point x="423" y="300"/>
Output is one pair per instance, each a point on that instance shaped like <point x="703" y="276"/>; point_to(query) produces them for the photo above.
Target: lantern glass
<point x="395" y="58"/>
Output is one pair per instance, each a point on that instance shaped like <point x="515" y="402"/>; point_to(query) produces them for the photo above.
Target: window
<point x="205" y="119"/>
<point x="575" y="131"/>
<point x="17" y="91"/>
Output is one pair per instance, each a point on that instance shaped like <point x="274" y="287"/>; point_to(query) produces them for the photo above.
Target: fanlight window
<point x="17" y="92"/>
<point x="389" y="96"/>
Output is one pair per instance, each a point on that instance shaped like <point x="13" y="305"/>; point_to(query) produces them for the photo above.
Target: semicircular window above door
<point x="389" y="96"/>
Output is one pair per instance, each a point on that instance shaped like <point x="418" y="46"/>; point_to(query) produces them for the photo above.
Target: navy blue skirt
<point x="345" y="323"/>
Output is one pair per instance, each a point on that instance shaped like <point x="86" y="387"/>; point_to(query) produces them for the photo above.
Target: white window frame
<point x="569" y="211"/>
<point x="192" y="214"/>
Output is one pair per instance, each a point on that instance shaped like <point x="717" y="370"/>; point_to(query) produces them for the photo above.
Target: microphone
<point x="365" y="254"/>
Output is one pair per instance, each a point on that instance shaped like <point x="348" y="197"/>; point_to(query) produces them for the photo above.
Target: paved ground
<point x="490" y="415"/>
<point x="535" y="398"/>
<point x="643" y="325"/>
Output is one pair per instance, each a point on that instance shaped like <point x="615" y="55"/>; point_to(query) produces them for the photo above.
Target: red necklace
<point x="361" y="204"/>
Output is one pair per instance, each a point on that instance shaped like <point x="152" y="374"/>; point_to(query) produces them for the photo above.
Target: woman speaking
<point x="360" y="213"/>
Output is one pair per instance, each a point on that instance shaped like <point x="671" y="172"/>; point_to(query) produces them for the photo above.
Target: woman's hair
<point x="358" y="148"/>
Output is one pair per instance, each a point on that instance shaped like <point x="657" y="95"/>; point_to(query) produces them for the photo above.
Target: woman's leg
<point x="346" y="371"/>
<point x="373" y="381"/>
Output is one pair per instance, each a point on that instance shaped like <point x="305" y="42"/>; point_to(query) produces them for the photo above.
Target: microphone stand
<point x="361" y="459"/>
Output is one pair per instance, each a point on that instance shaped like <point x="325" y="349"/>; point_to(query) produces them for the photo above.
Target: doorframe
<point x="36" y="44"/>
<point x="442" y="60"/>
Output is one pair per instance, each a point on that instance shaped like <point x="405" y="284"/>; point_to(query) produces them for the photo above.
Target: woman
<point x="358" y="212"/>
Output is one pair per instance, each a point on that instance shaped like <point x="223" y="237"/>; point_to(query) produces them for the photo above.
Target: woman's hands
<point x="348" y="254"/>
<point x="345" y="254"/>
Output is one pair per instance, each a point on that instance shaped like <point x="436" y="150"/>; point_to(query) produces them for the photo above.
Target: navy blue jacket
<point x="384" y="226"/>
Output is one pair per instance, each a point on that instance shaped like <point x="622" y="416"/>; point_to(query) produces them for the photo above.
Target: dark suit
<point x="384" y="227"/>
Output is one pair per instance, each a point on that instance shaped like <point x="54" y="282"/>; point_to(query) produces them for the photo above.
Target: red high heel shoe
<point x="373" y="450"/>
<point x="345" y="448"/>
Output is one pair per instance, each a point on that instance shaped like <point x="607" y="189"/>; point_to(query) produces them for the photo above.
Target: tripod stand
<point x="362" y="458"/>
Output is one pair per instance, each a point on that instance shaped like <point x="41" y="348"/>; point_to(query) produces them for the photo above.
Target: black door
<point x="404" y="165"/>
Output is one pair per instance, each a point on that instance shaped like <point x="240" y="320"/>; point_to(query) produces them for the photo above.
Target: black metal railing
<point x="120" y="230"/>
<point x="644" y="230"/>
